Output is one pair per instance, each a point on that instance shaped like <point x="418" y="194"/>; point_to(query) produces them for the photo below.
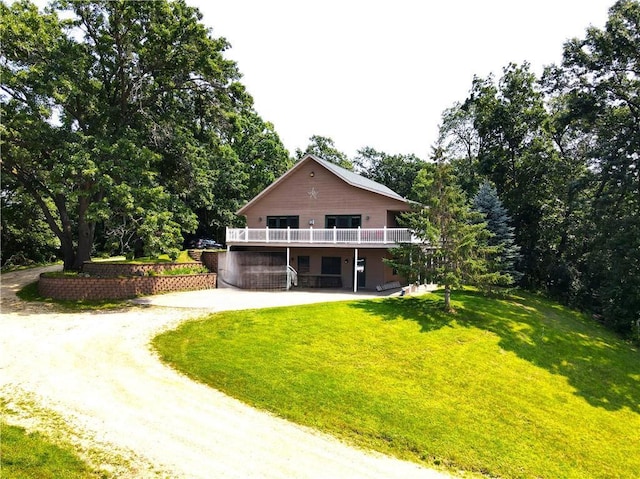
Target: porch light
<point x="312" y="174"/>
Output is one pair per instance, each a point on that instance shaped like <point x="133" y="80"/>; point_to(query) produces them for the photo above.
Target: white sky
<point x="379" y="73"/>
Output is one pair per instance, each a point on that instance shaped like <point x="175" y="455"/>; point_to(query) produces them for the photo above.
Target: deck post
<point x="355" y="271"/>
<point x="288" y="271"/>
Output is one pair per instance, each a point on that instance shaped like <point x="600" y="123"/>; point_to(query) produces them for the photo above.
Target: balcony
<point x="356" y="237"/>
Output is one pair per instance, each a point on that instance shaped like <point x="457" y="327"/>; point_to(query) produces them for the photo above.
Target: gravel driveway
<point x="97" y="372"/>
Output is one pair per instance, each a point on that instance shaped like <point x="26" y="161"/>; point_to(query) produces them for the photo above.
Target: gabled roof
<point x="345" y="175"/>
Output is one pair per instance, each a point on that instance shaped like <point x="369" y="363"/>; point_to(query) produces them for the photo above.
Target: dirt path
<point x="97" y="372"/>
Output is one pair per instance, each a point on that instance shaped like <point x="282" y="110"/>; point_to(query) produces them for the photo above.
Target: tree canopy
<point x="324" y="147"/>
<point x="562" y="151"/>
<point x="127" y="116"/>
<point x="397" y="172"/>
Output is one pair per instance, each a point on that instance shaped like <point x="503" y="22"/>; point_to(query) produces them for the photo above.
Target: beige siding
<point x="376" y="272"/>
<point x="314" y="197"/>
<point x="312" y="192"/>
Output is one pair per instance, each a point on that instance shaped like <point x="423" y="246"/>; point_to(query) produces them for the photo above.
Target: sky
<point x="380" y="73"/>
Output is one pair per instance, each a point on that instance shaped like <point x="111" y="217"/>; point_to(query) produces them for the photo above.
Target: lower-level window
<point x="331" y="265"/>
<point x="303" y="264"/>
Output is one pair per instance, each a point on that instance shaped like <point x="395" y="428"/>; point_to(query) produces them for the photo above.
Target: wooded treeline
<point x="563" y="151"/>
<point x="125" y="128"/>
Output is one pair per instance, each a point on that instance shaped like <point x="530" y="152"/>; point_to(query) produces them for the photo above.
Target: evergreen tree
<point x="454" y="244"/>
<point x="487" y="202"/>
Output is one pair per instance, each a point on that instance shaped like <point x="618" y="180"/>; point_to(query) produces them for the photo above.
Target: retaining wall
<point x="121" y="288"/>
<point x="210" y="260"/>
<point x="108" y="270"/>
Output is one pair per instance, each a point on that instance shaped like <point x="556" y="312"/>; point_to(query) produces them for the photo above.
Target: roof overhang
<point x="348" y="177"/>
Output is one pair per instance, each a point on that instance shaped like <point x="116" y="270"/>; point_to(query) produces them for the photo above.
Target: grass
<point x="31" y="455"/>
<point x="514" y="388"/>
<point x="10" y="268"/>
<point x="39" y="443"/>
<point x="164" y="258"/>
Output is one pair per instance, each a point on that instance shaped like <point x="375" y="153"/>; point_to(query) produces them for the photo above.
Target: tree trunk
<point x="85" y="245"/>
<point x="68" y="252"/>
<point x="86" y="230"/>
<point x="447" y="297"/>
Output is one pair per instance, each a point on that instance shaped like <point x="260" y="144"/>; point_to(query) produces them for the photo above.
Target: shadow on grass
<point x="603" y="369"/>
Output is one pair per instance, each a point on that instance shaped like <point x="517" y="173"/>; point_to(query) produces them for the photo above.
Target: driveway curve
<point x="97" y="371"/>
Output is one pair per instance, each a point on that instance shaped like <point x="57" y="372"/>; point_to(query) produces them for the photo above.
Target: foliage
<point x="25" y="237"/>
<point x="597" y="119"/>
<point x="181" y="271"/>
<point x="323" y="147"/>
<point x="562" y="152"/>
<point x="454" y="246"/>
<point x="396" y="172"/>
<point x="502" y="237"/>
<point x="183" y="257"/>
<point x="505" y="388"/>
<point x="459" y="144"/>
<point x="517" y="155"/>
<point x="114" y="134"/>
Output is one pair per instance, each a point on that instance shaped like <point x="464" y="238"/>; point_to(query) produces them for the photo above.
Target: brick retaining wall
<point x="210" y="260"/>
<point x="108" y="270"/>
<point x="121" y="288"/>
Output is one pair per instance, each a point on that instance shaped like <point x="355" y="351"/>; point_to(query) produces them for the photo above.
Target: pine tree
<point x="487" y="202"/>
<point x="454" y="246"/>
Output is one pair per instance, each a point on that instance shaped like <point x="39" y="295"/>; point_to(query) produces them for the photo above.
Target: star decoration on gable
<point x="313" y="194"/>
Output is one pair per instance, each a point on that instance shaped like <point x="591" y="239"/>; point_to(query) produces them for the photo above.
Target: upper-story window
<point x="343" y="221"/>
<point x="281" y="222"/>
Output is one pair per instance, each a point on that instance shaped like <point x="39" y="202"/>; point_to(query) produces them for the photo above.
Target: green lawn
<point x="515" y="388"/>
<point x="30" y="455"/>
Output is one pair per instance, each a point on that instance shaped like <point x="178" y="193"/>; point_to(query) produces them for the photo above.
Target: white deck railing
<point x="348" y="236"/>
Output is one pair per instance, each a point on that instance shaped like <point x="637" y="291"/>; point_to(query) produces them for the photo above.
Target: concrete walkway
<point x="226" y="299"/>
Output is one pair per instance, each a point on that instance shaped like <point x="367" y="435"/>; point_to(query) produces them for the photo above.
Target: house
<point x="320" y="224"/>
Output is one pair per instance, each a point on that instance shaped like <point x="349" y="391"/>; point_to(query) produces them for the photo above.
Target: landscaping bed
<point x="123" y="280"/>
